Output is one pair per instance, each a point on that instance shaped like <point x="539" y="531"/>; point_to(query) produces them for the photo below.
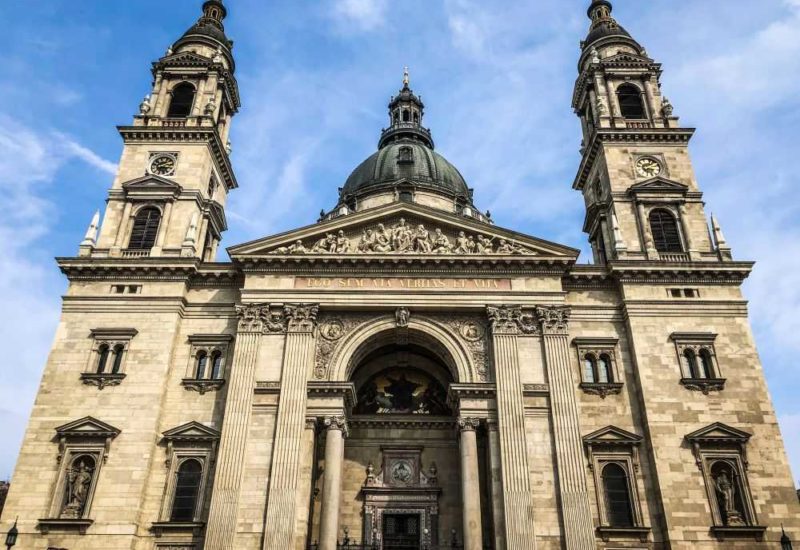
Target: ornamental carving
<point x="511" y="320"/>
<point x="301" y="317"/>
<point x="333" y="330"/>
<point x="338" y="423"/>
<point x="554" y="320"/>
<point x="468" y="424"/>
<point x="405" y="238"/>
<point x="472" y="331"/>
<point x="402" y="317"/>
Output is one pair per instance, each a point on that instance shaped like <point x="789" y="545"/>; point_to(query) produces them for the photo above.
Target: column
<point x="496" y="484"/>
<point x="691" y="251"/>
<point x="298" y="362"/>
<point x="565" y="418"/>
<point x="336" y="429"/>
<point x="470" y="484"/>
<point x="507" y="322"/>
<point x="221" y="529"/>
<point x="304" y="486"/>
<point x="649" y="247"/>
<point x="655" y="114"/>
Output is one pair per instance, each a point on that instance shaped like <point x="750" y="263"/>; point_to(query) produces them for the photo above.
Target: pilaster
<point x="565" y="417"/>
<point x="221" y="530"/>
<point x="507" y="324"/>
<point x="298" y="360"/>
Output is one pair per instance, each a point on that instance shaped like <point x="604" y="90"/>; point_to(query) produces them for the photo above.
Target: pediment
<point x="88" y="427"/>
<point x="151" y="183"/>
<point x="191" y="431"/>
<point x="628" y="58"/>
<point x="611" y="435"/>
<point x="719" y="432"/>
<point x="184" y="59"/>
<point x="403" y="228"/>
<point x="659" y="185"/>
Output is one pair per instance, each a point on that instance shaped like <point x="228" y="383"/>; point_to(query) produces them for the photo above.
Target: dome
<point x="410" y="160"/>
<point x="604" y="25"/>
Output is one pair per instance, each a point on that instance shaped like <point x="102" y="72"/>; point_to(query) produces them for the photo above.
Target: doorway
<point x="401" y="532"/>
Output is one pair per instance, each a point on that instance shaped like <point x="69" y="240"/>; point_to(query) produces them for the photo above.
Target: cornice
<point x="146" y="269"/>
<point x="641" y="271"/>
<point x="207" y="134"/>
<point x="626" y="135"/>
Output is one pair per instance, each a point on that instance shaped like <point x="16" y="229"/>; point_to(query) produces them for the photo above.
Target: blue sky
<point x="315" y="77"/>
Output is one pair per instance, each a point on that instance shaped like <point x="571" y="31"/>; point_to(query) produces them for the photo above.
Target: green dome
<point x="406" y="159"/>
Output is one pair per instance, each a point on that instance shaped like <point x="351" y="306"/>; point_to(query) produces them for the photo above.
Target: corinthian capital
<point x="554" y="320"/>
<point x="252" y="317"/>
<point x="468" y="424"/>
<point x="511" y="320"/>
<point x="338" y="423"/>
<point x="301" y="317"/>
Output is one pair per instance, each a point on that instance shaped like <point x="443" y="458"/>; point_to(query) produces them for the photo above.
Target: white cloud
<point x="367" y="15"/>
<point x="87" y="155"/>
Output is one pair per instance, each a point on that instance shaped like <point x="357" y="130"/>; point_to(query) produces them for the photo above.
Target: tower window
<point x="406" y="116"/>
<point x="145" y="229"/>
<point x="119" y="353"/>
<point x="664" y="229"/>
<point x="187" y="491"/>
<point x="182" y="101"/>
<point x="618" y="496"/>
<point x="202" y="361"/>
<point x="102" y="359"/>
<point x="630" y="102"/>
<point x="216" y="365"/>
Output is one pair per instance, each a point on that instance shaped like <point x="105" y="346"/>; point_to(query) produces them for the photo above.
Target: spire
<point x="405" y="117"/>
<point x="209" y="30"/>
<point x="90" y="240"/>
<point x="604" y="26"/>
<point x="723" y="250"/>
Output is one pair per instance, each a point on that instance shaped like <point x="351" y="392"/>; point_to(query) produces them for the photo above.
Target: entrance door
<point x="401" y="532"/>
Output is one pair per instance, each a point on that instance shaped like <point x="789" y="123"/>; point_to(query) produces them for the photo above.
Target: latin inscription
<point x="396" y="283"/>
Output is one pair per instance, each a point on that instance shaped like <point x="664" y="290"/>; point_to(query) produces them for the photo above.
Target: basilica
<point x="403" y="373"/>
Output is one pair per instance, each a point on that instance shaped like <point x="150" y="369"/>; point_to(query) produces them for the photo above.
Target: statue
<point x="727" y="491"/>
<point x="145" y="107"/>
<point x="422" y="242"/>
<point x="402" y="315"/>
<point x="504" y="247"/>
<point x="211" y="108"/>
<point x="298" y="248"/>
<point x="367" y="242"/>
<point x="600" y="106"/>
<point x="79" y="480"/>
<point x="383" y="242"/>
<point x="471" y="245"/>
<point x="595" y="56"/>
<point x="484" y="245"/>
<point x="325" y="244"/>
<point x="441" y="244"/>
<point x="228" y="147"/>
<point x="217" y="56"/>
<point x="342" y="243"/>
<point x="462" y="243"/>
<point x="666" y="107"/>
<point x="402" y="237"/>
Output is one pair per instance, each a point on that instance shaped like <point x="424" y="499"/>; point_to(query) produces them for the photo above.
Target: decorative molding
<point x="102" y="380"/>
<point x="203" y="386"/>
<point x="601" y="389"/>
<point x="608" y="533"/>
<point x="338" y="423"/>
<point x="86" y="428"/>
<point x="57" y="524"/>
<point x="704" y="385"/>
<point x="472" y="330"/>
<point x="535" y="389"/>
<point x="261" y="318"/>
<point x="344" y="390"/>
<point x="755" y="532"/>
<point x="554" y="319"/>
<point x="193" y="528"/>
<point x="511" y="320"/>
<point x="402" y="316"/>
<point x="268" y="387"/>
<point x="333" y="329"/>
<point x="301" y="317"/>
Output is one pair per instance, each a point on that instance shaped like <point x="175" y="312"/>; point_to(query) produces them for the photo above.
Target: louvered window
<point x="664" y="229"/>
<point x="145" y="229"/>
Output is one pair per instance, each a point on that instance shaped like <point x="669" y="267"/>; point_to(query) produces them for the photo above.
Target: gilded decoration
<point x="408" y="238"/>
<point x="402" y="391"/>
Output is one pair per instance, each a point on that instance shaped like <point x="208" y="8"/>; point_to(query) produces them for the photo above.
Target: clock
<point x="162" y="165"/>
<point x="648" y="167"/>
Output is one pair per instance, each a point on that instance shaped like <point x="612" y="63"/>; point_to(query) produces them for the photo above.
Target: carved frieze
<point x="407" y="238"/>
<point x="554" y="320"/>
<point x="511" y="320"/>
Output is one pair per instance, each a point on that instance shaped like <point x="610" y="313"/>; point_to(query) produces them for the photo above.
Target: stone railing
<point x="673" y="256"/>
<point x="136" y="253"/>
<point x="638" y="124"/>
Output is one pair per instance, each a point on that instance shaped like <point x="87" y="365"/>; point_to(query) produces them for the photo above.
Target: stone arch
<point x="378" y="332"/>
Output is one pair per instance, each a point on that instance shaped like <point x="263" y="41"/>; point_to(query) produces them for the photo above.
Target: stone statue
<point x="462" y="243"/>
<point x="666" y="107"/>
<point x="367" y="242"/>
<point x="145" y="107"/>
<point x="441" y="244"/>
<point x="471" y="245"/>
<point x="298" y="248"/>
<point x="217" y="56"/>
<point x="383" y="242"/>
<point x="211" y="108"/>
<point x="727" y="493"/>
<point x="484" y="245"/>
<point x="324" y="245"/>
<point x="402" y="237"/>
<point x="504" y="247"/>
<point x="422" y="240"/>
<point x="600" y="106"/>
<point x="342" y="243"/>
<point x="79" y="480"/>
<point x="228" y="147"/>
<point x="595" y="55"/>
<point x="402" y="316"/>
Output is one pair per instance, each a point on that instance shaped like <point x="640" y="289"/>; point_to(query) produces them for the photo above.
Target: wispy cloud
<point x="366" y="15"/>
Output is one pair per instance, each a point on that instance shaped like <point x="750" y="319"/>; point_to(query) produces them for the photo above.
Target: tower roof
<point x="604" y="25"/>
<point x="209" y="30"/>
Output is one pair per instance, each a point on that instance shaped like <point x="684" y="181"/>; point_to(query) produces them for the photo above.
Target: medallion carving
<point x="402" y="317"/>
<point x="333" y="329"/>
<point x="471" y="330"/>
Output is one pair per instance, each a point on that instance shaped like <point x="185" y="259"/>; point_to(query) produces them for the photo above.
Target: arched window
<point x="396" y="117"/>
<point x="187" y="490"/>
<point x="630" y="102"/>
<point x="406" y="116"/>
<point x="102" y="358"/>
<point x="202" y="361"/>
<point x="618" y="496"/>
<point x="182" y="101"/>
<point x="706" y="364"/>
<point x="589" y="369"/>
<point x="145" y="229"/>
<point x="216" y="365"/>
<point x="690" y="364"/>
<point x="604" y="370"/>
<point x="664" y="229"/>
<point x="119" y="351"/>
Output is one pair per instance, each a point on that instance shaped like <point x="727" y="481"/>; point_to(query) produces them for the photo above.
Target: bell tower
<point x="168" y="198"/>
<point x="642" y="198"/>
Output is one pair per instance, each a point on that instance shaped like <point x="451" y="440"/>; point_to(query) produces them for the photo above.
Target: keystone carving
<point x="402" y="316"/>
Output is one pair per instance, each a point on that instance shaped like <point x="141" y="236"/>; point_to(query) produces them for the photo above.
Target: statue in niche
<point x="726" y="490"/>
<point x="79" y="480"/>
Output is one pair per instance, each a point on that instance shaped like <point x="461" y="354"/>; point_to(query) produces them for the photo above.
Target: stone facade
<point x="404" y="371"/>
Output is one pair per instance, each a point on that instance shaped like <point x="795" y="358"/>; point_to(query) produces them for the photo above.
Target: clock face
<point x="648" y="167"/>
<point x="162" y="165"/>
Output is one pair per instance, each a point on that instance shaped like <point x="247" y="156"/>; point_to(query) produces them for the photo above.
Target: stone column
<point x="298" y="362"/>
<point x="336" y="430"/>
<point x="304" y="486"/>
<point x="565" y="418"/>
<point x="691" y="251"/>
<point x="507" y="323"/>
<point x="655" y="115"/>
<point x="649" y="247"/>
<point x="470" y="484"/>
<point x="496" y="485"/>
<point x="221" y="530"/>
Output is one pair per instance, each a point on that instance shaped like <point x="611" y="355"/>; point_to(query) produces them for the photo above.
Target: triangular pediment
<point x="403" y="228"/>
<point x="611" y="435"/>
<point x="152" y="187"/>
<point x="719" y="432"/>
<point x="659" y="184"/>
<point x="87" y="427"/>
<point x="191" y="431"/>
<point x="184" y="59"/>
<point x="627" y="58"/>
